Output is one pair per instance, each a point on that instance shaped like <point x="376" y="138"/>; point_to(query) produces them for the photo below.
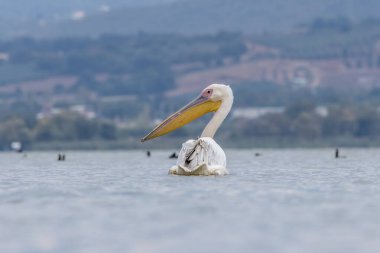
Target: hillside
<point x="330" y="52"/>
<point x="17" y="10"/>
<point x="320" y="83"/>
<point x="210" y="16"/>
<point x="20" y="17"/>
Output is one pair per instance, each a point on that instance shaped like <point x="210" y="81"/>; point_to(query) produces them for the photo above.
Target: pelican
<point x="202" y="156"/>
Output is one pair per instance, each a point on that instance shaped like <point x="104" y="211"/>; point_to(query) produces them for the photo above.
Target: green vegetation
<point x="327" y="38"/>
<point x="302" y="121"/>
<point x="123" y="81"/>
<point x="346" y="119"/>
<point x="11" y="73"/>
<point x="62" y="127"/>
<point x="129" y="65"/>
<point x="209" y="16"/>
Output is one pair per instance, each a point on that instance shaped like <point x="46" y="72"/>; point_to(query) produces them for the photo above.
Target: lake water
<point x="281" y="201"/>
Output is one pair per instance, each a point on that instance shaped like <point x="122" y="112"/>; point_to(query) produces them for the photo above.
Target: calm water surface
<point x="281" y="201"/>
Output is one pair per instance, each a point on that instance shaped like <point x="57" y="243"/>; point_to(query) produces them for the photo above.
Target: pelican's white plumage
<point x="202" y="156"/>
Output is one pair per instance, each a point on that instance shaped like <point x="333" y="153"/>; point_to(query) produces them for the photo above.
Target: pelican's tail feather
<point x="200" y="170"/>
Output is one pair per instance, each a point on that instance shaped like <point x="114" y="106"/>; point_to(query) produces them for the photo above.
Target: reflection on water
<point x="281" y="201"/>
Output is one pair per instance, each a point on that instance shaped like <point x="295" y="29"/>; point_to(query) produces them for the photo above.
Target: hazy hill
<point x="21" y="17"/>
<point x="206" y="16"/>
<point x="18" y="10"/>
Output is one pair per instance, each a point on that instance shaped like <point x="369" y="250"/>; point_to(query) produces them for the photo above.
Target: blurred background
<point x="99" y="74"/>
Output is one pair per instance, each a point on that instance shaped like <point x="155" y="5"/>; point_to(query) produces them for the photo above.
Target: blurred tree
<point x="14" y="129"/>
<point x="295" y="110"/>
<point x="368" y="123"/>
<point x="307" y="125"/>
<point x="107" y="131"/>
<point x="339" y="122"/>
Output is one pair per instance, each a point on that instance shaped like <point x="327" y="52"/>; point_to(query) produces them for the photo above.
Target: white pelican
<point x="202" y="156"/>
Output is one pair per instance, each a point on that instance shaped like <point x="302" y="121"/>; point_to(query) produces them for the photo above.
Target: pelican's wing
<point x="201" y="151"/>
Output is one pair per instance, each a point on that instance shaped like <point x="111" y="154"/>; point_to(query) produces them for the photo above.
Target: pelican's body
<point x="202" y="156"/>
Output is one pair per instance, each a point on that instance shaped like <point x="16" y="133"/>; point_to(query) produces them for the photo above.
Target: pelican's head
<point x="209" y="100"/>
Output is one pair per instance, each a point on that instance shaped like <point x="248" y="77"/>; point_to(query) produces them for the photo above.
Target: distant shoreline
<point x="175" y="143"/>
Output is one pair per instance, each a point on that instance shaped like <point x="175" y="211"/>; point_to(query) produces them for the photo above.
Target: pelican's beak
<point x="195" y="109"/>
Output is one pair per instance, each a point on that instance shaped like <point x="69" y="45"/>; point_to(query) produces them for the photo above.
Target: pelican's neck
<point x="218" y="117"/>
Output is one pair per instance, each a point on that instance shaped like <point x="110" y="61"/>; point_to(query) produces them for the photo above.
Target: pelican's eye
<point x="207" y="93"/>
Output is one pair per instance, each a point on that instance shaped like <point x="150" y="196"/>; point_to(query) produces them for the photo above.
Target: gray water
<point x="281" y="201"/>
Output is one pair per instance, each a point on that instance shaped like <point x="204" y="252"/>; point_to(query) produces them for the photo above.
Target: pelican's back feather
<point x="201" y="151"/>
